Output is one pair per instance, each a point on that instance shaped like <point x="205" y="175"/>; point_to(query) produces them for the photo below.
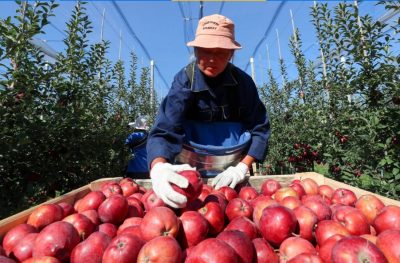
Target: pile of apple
<point x="124" y="222"/>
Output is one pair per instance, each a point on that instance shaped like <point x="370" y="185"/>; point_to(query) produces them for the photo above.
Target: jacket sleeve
<point x="255" y="119"/>
<point x="166" y="136"/>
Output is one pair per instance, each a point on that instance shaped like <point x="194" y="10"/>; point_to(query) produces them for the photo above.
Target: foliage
<point x="64" y="124"/>
<point x="340" y="111"/>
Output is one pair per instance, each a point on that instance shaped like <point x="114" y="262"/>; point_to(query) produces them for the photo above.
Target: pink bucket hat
<point x="215" y="31"/>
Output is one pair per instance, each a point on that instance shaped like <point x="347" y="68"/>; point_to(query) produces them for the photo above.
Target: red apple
<point x="44" y="259"/>
<point x="244" y="225"/>
<point x="137" y="195"/>
<point x="131" y="221"/>
<point x="56" y="240"/>
<point x="291" y="202"/>
<point x="23" y="249"/>
<point x="218" y="198"/>
<point x="92" y="215"/>
<point x="259" y="204"/>
<point x="307" y="220"/>
<point x="126" y="180"/>
<point x="108" y="229"/>
<point x="45" y="215"/>
<point x="132" y="230"/>
<point x="277" y="223"/>
<point x="91" y="250"/>
<point x="194" y="229"/>
<point x="325" y="191"/>
<point x="248" y="193"/>
<point x="67" y="208"/>
<point x="320" y="208"/>
<point x="159" y="221"/>
<point x="4" y="259"/>
<point x="82" y="224"/>
<point x="228" y="192"/>
<point x="269" y="187"/>
<point x="195" y="185"/>
<point x="325" y="250"/>
<point x="162" y="249"/>
<point x="352" y="219"/>
<point x="129" y="188"/>
<point x="294" y="246"/>
<point x="151" y="200"/>
<point x="205" y="191"/>
<point x="240" y="243"/>
<point x="344" y="197"/>
<point x="356" y="249"/>
<point x="214" y="214"/>
<point x="388" y="242"/>
<point x="310" y="186"/>
<point x="306" y="258"/>
<point x="264" y="251"/>
<point x="388" y="218"/>
<point x="284" y="192"/>
<point x="370" y="206"/>
<point x="90" y="201"/>
<point x="111" y="188"/>
<point x="16" y="234"/>
<point x="298" y="188"/>
<point x="123" y="249"/>
<point x="212" y="250"/>
<point x="238" y="207"/>
<point x="113" y="210"/>
<point x="327" y="228"/>
<point x="135" y="207"/>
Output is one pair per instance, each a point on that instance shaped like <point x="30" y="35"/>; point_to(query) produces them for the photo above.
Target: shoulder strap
<point x="190" y="73"/>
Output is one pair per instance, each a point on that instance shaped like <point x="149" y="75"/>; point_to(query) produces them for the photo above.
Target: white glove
<point x="231" y="176"/>
<point x="162" y="175"/>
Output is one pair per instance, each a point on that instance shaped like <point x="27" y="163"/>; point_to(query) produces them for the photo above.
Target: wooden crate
<point x="255" y="181"/>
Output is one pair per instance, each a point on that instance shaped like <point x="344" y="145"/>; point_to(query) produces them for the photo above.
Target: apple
<point x="137" y="195"/>
<point x="269" y="187"/>
<point x="82" y="224"/>
<point x="92" y="215"/>
<point x="264" y="252"/>
<point x="23" y="249"/>
<point x="310" y="186"/>
<point x="284" y="192"/>
<point x="370" y="206"/>
<point x="344" y="197"/>
<point x="325" y="191"/>
<point x="151" y="200"/>
<point x="244" y="225"/>
<point x="212" y="250"/>
<point x="294" y="246"/>
<point x="91" y="250"/>
<point x="126" y="180"/>
<point x="277" y="223"/>
<point x="327" y="228"/>
<point x="2" y="251"/>
<point x="307" y="220"/>
<point x="132" y="230"/>
<point x="388" y="218"/>
<point x="298" y="188"/>
<point x="129" y="188"/>
<point x="67" y="208"/>
<point x="290" y="202"/>
<point x="45" y="215"/>
<point x="306" y="258"/>
<point x="44" y="259"/>
<point x="111" y="188"/>
<point x="259" y="204"/>
<point x="205" y="191"/>
<point x="135" y="207"/>
<point x="388" y="242"/>
<point x="194" y="229"/>
<point x="108" y="229"/>
<point x="248" y="193"/>
<point x="238" y="207"/>
<point x="113" y="210"/>
<point x="240" y="243"/>
<point x="352" y="219"/>
<point x="56" y="240"/>
<point x="159" y="221"/>
<point x="320" y="208"/>
<point x="228" y="192"/>
<point x="131" y="221"/>
<point x="194" y="205"/>
<point x="356" y="249"/>
<point x="325" y="250"/>
<point x="195" y="185"/>
<point x="123" y="249"/>
<point x="214" y="215"/>
<point x="218" y="198"/>
<point x="90" y="201"/>
<point x="4" y="259"/>
<point x="16" y="234"/>
<point x="162" y="249"/>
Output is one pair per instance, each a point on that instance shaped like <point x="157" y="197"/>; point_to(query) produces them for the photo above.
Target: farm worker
<point x="208" y="97"/>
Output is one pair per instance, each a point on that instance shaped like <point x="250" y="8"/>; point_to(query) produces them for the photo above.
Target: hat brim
<point x="211" y="41"/>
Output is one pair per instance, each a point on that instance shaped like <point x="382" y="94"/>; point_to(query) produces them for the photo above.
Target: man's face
<point x="212" y="61"/>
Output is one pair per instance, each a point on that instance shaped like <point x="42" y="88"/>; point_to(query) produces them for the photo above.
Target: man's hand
<point x="231" y="176"/>
<point x="162" y="175"/>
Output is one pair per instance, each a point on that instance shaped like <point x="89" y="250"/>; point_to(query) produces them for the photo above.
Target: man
<point x="210" y="91"/>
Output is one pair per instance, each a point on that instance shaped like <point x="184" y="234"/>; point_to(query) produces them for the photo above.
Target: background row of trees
<point x="64" y="124"/>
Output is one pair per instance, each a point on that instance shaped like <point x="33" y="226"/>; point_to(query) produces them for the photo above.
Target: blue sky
<point x="161" y="26"/>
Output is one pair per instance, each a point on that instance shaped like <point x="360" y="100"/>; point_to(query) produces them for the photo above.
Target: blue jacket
<point x="231" y="96"/>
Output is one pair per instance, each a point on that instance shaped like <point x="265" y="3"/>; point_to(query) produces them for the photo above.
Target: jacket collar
<point x="198" y="82"/>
